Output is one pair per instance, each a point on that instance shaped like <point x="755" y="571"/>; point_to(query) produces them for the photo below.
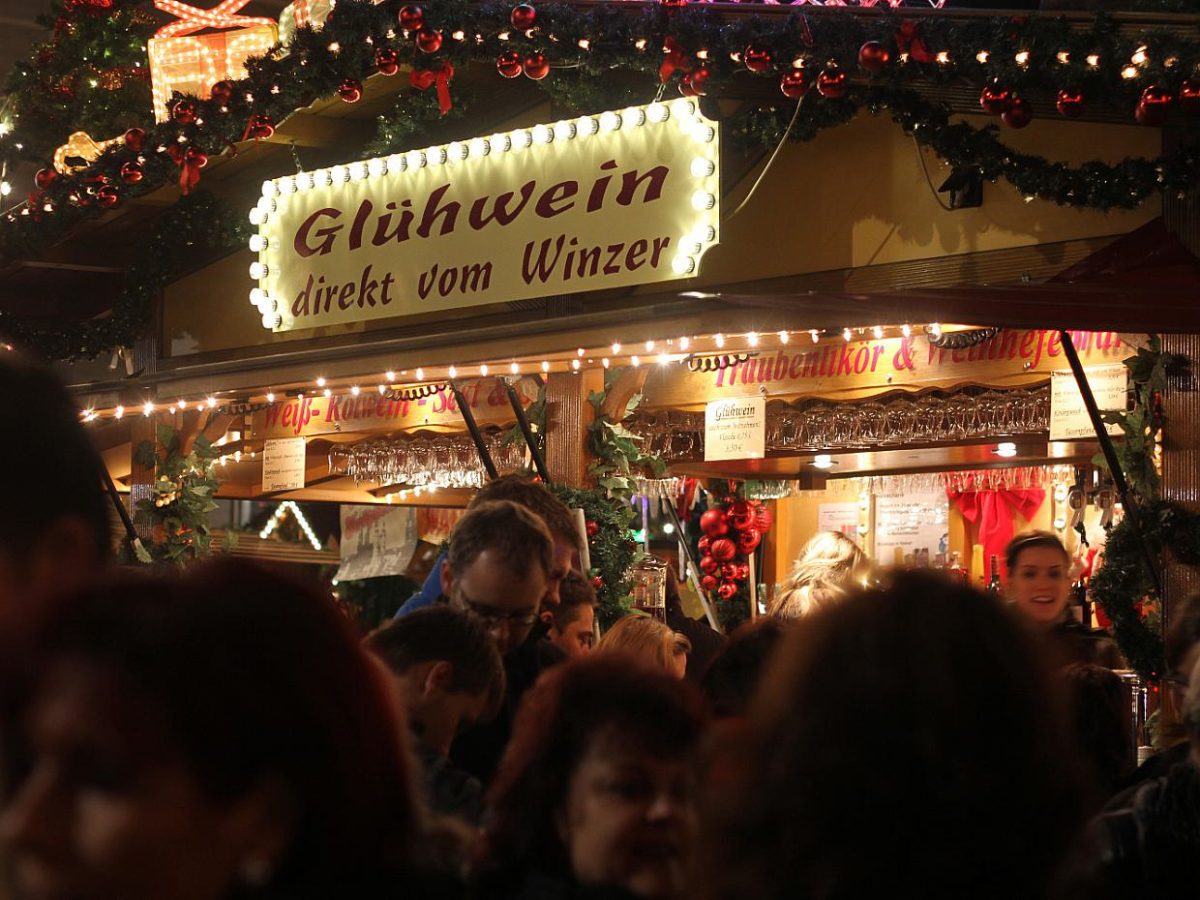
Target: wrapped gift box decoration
<point x="190" y="63"/>
<point x="301" y="13"/>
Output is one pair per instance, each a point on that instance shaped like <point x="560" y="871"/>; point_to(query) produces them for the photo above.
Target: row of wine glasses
<point x="426" y="460"/>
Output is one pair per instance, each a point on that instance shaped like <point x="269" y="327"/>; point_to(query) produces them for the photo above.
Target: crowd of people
<point x="222" y="733"/>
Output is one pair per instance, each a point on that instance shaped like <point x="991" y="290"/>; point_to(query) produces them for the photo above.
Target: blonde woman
<point x="829" y="565"/>
<point x="649" y="640"/>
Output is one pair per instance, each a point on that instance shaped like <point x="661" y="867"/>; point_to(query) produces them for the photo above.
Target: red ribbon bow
<point x="423" y="79"/>
<point x="993" y="512"/>
<point x="189" y="167"/>
<point x="909" y="40"/>
<point x="676" y="58"/>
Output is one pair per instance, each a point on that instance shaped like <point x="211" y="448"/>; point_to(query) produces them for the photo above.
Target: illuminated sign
<point x="623" y="198"/>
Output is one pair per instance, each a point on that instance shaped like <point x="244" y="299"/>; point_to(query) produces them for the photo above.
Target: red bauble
<point x="536" y="66"/>
<point x="794" y="83"/>
<point x="729" y="571"/>
<point x="261" y="127"/>
<point x="708" y="565"/>
<point x="592" y="528"/>
<point x="1153" y="105"/>
<point x="411" y="17"/>
<point x="429" y="41"/>
<point x="597" y="582"/>
<point x="44" y="178"/>
<point x="196" y="157"/>
<point x="523" y="16"/>
<point x="134" y="139"/>
<point x="703" y="544"/>
<point x="741" y="514"/>
<point x="1019" y="113"/>
<point x="1070" y="103"/>
<point x="131" y="173"/>
<point x="1189" y="96"/>
<point x="107" y="197"/>
<point x="832" y="83"/>
<point x="723" y="550"/>
<point x="695" y="82"/>
<point x="672" y="4"/>
<point x="709" y="583"/>
<point x="509" y="64"/>
<point x="222" y="91"/>
<point x="747" y="541"/>
<point x="873" y="57"/>
<point x="757" y="59"/>
<point x="713" y="523"/>
<point x="995" y="98"/>
<point x="184" y="112"/>
<point x="763" y="519"/>
<point x="387" y="61"/>
<point x="350" y="90"/>
<point x="727" y="591"/>
<point x="743" y="571"/>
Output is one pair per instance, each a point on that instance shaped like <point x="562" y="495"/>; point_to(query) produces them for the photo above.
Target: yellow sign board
<point x="312" y="415"/>
<point x="838" y="369"/>
<point x="614" y="200"/>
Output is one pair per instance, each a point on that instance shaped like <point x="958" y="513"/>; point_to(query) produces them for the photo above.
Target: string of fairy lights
<point x="705" y="353"/>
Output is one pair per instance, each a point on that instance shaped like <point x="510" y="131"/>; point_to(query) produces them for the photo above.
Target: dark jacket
<point x="539" y="885"/>
<point x="478" y="750"/>
<point x="449" y="791"/>
<point x="1071" y="642"/>
<point x="1150" y="849"/>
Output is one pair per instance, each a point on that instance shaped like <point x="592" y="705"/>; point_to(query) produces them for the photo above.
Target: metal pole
<point x="465" y="409"/>
<point x="693" y="571"/>
<point x="1110" y="455"/>
<point x="131" y="535"/>
<point x="538" y="463"/>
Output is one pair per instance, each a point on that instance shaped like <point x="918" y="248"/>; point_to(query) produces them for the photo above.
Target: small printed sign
<point x="1068" y="416"/>
<point x="283" y="465"/>
<point x="735" y="429"/>
<point x="841" y="517"/>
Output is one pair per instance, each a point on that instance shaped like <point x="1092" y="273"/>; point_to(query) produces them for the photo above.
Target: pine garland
<point x="603" y="55"/>
<point x="611" y="550"/>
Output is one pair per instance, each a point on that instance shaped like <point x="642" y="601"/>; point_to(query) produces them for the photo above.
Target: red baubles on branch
<point x="411" y="17"/>
<point x="222" y="92"/>
<point x="713" y="523"/>
<point x="509" y="64"/>
<point x="1070" y="103"/>
<point x="107" y="197"/>
<point x="44" y="178"/>
<point x="387" y="61"/>
<point x="723" y="550"/>
<point x="874" y="57"/>
<point x="184" y="112"/>
<point x="794" y="83"/>
<point x="757" y="59"/>
<point x="536" y="66"/>
<point x="693" y="83"/>
<point x="832" y="83"/>
<point x="350" y="90"/>
<point x="135" y="139"/>
<point x="132" y="173"/>
<point x="1153" y="105"/>
<point x="732" y="531"/>
<point x="523" y="16"/>
<point x="1019" y="113"/>
<point x="429" y="41"/>
<point x="260" y="127"/>
<point x="995" y="98"/>
<point x="1189" y="96"/>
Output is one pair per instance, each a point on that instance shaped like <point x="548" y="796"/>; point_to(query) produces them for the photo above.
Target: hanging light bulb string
<point x="783" y="139"/>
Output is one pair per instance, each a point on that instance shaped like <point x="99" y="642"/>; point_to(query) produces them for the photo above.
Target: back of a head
<point x="903" y="742"/>
<point x="733" y="675"/>
<point x="644" y="638"/>
<point x="258" y="676"/>
<point x="514" y="536"/>
<point x="569" y="707"/>
<point x="1183" y="633"/>
<point x="573" y="595"/>
<point x="534" y="497"/>
<point x="41" y="423"/>
<point x="822" y="573"/>
<point x="1100" y="724"/>
<point x="441" y="634"/>
<point x="1191" y="712"/>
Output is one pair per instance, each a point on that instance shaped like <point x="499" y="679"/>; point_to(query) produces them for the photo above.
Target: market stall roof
<point x="1146" y="281"/>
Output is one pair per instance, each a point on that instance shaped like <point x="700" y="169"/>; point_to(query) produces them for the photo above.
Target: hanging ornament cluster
<point x="732" y="531"/>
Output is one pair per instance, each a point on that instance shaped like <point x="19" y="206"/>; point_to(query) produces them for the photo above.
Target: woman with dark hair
<point x="593" y="797"/>
<point x="207" y="736"/>
<point x="904" y="743"/>
<point x="1039" y="586"/>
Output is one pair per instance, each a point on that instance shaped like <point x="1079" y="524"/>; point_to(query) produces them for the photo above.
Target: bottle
<point x="993" y="585"/>
<point x="956" y="568"/>
<point x="1081" y="606"/>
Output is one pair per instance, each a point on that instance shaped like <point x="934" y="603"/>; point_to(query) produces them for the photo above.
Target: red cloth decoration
<point x="423" y="79"/>
<point x="675" y="58"/>
<point x="189" y="169"/>
<point x="909" y="40"/>
<point x="992" y="511"/>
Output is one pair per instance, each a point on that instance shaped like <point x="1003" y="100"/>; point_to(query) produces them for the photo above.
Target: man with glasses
<point x="498" y="570"/>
